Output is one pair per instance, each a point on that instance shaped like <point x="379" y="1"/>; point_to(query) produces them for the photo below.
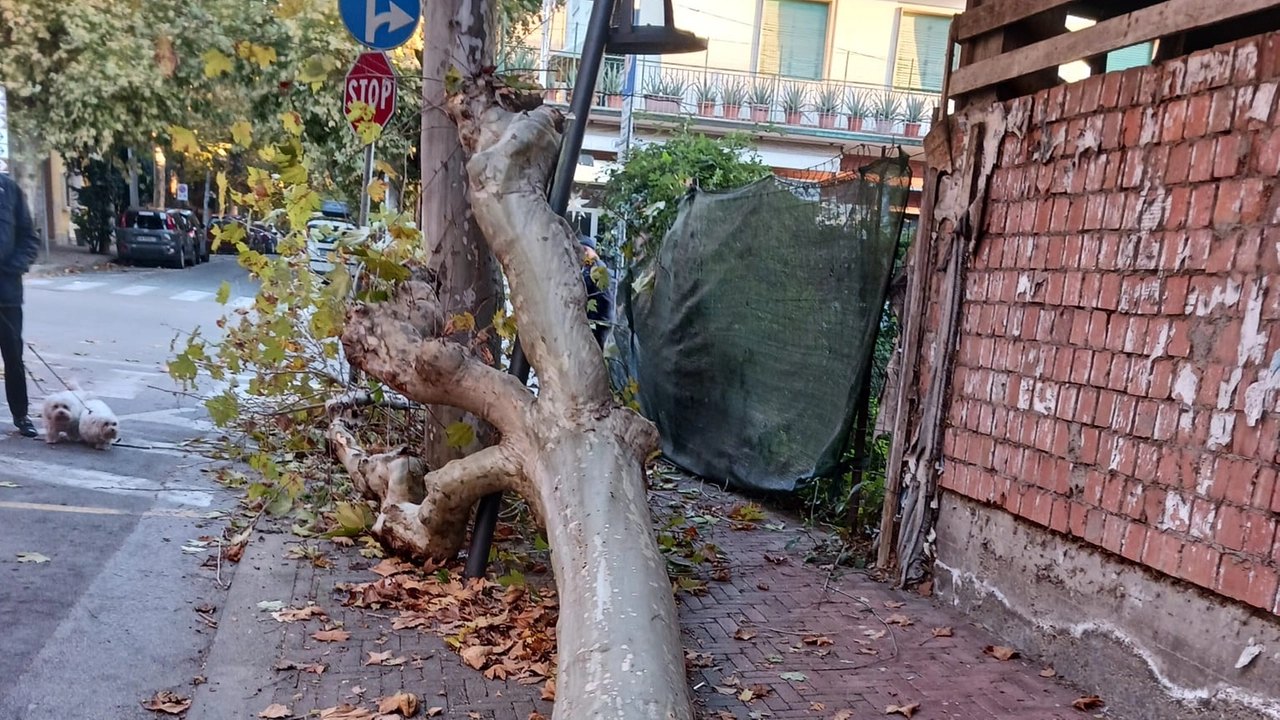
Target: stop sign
<point x="372" y="81"/>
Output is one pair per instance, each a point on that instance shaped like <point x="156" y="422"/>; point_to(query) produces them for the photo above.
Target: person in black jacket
<point x="599" y="294"/>
<point x="18" y="249"/>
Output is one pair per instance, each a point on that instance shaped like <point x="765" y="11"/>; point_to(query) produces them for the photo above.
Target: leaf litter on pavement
<point x="167" y="703"/>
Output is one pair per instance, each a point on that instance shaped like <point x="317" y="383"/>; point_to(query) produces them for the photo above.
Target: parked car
<point x="263" y="238"/>
<point x="323" y="236"/>
<point x="216" y="225"/>
<point x="200" y="239"/>
<point x="156" y="236"/>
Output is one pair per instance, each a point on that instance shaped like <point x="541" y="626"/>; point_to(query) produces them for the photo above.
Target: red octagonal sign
<point x="372" y="81"/>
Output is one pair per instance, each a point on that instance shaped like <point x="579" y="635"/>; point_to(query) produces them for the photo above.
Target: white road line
<point x="36" y="282"/>
<point x="135" y="290"/>
<point x="53" y="474"/>
<point x="191" y="296"/>
<point x="80" y="285"/>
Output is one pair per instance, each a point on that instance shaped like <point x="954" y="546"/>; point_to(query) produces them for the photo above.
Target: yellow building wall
<point x="860" y="38"/>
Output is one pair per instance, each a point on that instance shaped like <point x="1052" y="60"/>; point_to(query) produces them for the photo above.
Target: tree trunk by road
<point x="571" y="452"/>
<point x="455" y="34"/>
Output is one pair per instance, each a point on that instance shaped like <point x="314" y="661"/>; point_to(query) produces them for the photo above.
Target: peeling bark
<point x="571" y="452"/>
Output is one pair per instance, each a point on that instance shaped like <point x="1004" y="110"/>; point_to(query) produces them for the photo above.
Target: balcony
<point x="736" y="99"/>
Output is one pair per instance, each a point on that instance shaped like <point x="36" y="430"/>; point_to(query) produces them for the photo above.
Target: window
<point x="921" y="55"/>
<point x="1130" y="57"/>
<point x="793" y="38"/>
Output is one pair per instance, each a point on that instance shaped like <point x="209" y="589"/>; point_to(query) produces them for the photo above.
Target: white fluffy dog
<point x="61" y="413"/>
<point x="99" y="427"/>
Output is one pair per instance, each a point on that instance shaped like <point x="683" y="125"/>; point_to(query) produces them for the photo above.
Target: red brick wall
<point x="1114" y="372"/>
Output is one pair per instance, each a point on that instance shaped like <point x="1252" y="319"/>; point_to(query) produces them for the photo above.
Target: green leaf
<point x="600" y="276"/>
<point x="280" y="505"/>
<point x="223" y="408"/>
<point x="459" y="435"/>
<point x="353" y="519"/>
<point x="514" y="578"/>
<point x="224" y="292"/>
<point x="794" y="676"/>
<point x="183" y="140"/>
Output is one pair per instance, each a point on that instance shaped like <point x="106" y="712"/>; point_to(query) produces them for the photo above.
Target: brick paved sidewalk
<point x="866" y="660"/>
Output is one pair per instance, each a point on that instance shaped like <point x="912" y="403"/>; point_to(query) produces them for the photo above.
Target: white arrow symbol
<point x="394" y="18"/>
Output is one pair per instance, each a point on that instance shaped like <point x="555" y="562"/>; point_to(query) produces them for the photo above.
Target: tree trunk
<point x="571" y="452"/>
<point x="467" y="274"/>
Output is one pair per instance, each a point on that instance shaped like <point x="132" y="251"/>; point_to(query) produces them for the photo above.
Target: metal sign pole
<point x="364" y="188"/>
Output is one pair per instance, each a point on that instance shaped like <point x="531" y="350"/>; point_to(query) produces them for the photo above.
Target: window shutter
<point x="1130" y="57"/>
<point x="793" y="38"/>
<point x="921" y="56"/>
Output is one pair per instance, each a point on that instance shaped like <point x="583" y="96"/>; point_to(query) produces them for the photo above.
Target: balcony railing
<point x="738" y="96"/>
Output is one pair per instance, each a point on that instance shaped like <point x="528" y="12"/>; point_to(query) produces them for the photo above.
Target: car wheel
<point x="180" y="260"/>
<point x="195" y="259"/>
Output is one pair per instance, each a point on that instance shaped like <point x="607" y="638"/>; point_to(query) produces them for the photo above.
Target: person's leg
<point x="15" y="374"/>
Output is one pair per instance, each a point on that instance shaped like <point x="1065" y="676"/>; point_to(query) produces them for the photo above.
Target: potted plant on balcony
<point x="707" y="93"/>
<point x="886" y="108"/>
<point x="827" y="103"/>
<point x="857" y="107"/>
<point x="761" y="100"/>
<point x="914" y="112"/>
<point x="794" y="95"/>
<point x="611" y="86"/>
<point x="664" y="94"/>
<point x="733" y="95"/>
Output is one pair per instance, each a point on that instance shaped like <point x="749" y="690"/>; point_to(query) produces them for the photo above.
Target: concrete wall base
<point x="1153" y="647"/>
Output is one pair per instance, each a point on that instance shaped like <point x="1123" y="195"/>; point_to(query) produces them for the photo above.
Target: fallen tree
<point x="574" y="455"/>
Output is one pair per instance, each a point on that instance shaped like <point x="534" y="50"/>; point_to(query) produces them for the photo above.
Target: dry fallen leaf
<point x="316" y="669"/>
<point x="1048" y="673"/>
<point x="549" y="690"/>
<point x="900" y="620"/>
<point x="904" y="710"/>
<point x="747" y="696"/>
<point x="391" y="566"/>
<point x="535" y="715"/>
<point x="475" y="655"/>
<point x="762" y="586"/>
<point x="842" y="715"/>
<point x="816" y="707"/>
<point x="434" y="711"/>
<point x="335" y="635"/>
<point x="1000" y="652"/>
<point x="819" y="640"/>
<point x="276" y="710"/>
<point x="893" y="604"/>
<point x="942" y="632"/>
<point x="404" y="703"/>
<point x="168" y="703"/>
<point x="1087" y="703"/>
<point x="296" y="614"/>
<point x="869" y="651"/>
<point x="378" y="658"/>
<point x="346" y="711"/>
<point x="744" y="634"/>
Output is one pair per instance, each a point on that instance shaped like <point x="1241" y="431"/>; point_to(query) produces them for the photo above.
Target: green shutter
<point x="1130" y="57"/>
<point x="793" y="38"/>
<point x="921" y="56"/>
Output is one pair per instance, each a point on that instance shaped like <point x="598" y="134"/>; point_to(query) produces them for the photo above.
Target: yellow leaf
<point x="369" y="132"/>
<point x="243" y="48"/>
<point x="292" y="122"/>
<point x="504" y="324"/>
<point x="289" y="8"/>
<point x="242" y="133"/>
<point x="377" y="191"/>
<point x="358" y="111"/>
<point x="222" y="191"/>
<point x="385" y="168"/>
<point x="293" y="175"/>
<point x="215" y="63"/>
<point x="263" y="55"/>
<point x="459" y="435"/>
<point x="183" y="140"/>
<point x="314" y="69"/>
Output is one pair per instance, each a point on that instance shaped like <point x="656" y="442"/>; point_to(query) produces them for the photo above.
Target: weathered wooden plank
<point x="1167" y="18"/>
<point x="993" y="16"/>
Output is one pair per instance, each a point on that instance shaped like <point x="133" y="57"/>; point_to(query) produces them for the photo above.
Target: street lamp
<point x="611" y="25"/>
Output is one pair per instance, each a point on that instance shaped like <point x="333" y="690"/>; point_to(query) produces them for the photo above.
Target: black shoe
<point x="25" y="427"/>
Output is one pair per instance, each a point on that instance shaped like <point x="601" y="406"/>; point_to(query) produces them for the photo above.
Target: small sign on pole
<point x="380" y="24"/>
<point x="371" y="81"/>
<point x="182" y="192"/>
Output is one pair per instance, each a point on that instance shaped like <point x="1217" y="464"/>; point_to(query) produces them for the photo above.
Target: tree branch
<point x="392" y="477"/>
<point x="397" y="342"/>
<point x="512" y="157"/>
<point x="435" y="529"/>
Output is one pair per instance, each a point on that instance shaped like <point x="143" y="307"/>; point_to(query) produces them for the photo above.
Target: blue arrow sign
<point x="380" y="24"/>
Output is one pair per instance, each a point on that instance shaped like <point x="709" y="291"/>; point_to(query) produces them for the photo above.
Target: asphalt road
<point x="110" y="618"/>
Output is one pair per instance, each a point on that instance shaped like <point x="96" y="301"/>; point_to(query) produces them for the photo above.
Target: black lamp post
<point x="612" y="26"/>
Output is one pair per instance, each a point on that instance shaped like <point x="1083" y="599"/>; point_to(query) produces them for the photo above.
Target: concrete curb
<point x="238" y="670"/>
